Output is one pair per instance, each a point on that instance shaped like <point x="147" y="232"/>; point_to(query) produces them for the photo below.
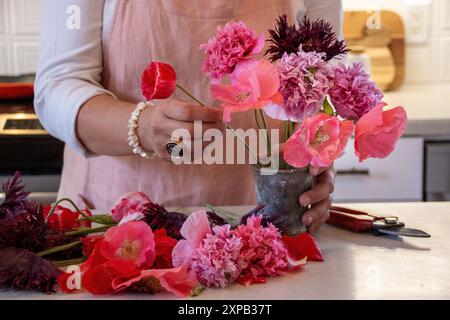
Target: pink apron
<point x="170" y="31"/>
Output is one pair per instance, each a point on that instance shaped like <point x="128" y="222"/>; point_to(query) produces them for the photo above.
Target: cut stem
<point x="69" y="262"/>
<point x="87" y="231"/>
<point x="268" y="142"/>
<point x="60" y="248"/>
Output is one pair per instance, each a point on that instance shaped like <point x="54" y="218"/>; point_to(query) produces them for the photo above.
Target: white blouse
<point x="70" y="62"/>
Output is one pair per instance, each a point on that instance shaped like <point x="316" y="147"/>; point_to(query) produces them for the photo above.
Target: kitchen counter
<point x="357" y="266"/>
<point x="427" y="106"/>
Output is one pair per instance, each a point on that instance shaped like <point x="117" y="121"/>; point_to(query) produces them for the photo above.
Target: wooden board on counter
<point x="385" y="45"/>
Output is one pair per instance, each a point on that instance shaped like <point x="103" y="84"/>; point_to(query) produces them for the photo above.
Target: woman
<point x="88" y="84"/>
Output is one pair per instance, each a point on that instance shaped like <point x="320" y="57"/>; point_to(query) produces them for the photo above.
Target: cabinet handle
<point x="354" y="172"/>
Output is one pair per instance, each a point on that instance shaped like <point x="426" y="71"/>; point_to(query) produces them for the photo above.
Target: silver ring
<point x="175" y="149"/>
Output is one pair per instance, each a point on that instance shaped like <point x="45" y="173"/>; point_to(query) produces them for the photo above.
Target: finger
<point x="315" y="171"/>
<point x="316" y="212"/>
<point x="187" y="112"/>
<point x="192" y="130"/>
<point x="317" y="215"/>
<point x="320" y="191"/>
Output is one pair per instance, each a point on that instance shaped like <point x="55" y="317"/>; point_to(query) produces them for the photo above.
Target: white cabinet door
<point x="19" y="36"/>
<point x="25" y="17"/>
<point x="396" y="178"/>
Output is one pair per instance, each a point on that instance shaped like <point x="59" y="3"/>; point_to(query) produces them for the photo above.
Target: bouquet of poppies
<point x="321" y="102"/>
<point x="138" y="246"/>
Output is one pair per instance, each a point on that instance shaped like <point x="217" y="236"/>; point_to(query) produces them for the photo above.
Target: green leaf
<point x="328" y="108"/>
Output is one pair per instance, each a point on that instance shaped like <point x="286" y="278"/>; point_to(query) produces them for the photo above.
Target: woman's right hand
<point x="157" y="123"/>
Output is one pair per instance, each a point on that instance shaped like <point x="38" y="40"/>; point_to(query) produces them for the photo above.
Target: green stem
<point x="190" y="95"/>
<point x="268" y="142"/>
<point x="87" y="231"/>
<point x="69" y="262"/>
<point x="56" y="249"/>
<point x="257" y="120"/>
<point x="228" y="127"/>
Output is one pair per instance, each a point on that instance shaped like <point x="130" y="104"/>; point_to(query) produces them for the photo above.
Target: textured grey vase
<point x="280" y="194"/>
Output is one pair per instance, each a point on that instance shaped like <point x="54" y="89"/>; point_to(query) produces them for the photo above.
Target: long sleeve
<point x="70" y="65"/>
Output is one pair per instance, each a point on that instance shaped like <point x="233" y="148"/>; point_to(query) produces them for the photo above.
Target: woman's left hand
<point x="319" y="197"/>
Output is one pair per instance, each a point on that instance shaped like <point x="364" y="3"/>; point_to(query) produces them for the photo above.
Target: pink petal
<point x="259" y="44"/>
<point x="295" y="151"/>
<point x="195" y="228"/>
<point x="268" y="77"/>
<point x="182" y="253"/>
<point x="176" y="280"/>
<point x="129" y="203"/>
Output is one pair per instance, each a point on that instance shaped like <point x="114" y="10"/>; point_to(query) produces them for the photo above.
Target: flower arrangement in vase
<point x="319" y="102"/>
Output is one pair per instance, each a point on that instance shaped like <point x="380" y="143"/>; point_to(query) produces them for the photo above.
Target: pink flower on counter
<point x="216" y="260"/>
<point x="131" y="242"/>
<point x="353" y="93"/>
<point x="234" y="43"/>
<point x="378" y="131"/>
<point x="320" y="140"/>
<point x="194" y="230"/>
<point x="255" y="86"/>
<point x="130" y="203"/>
<point x="178" y="281"/>
<point x="304" y="83"/>
<point x="263" y="253"/>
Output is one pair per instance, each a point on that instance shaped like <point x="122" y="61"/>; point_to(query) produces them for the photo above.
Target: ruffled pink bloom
<point x="178" y="281"/>
<point x="130" y="203"/>
<point x="254" y="86"/>
<point x="320" y="140"/>
<point x="353" y="93"/>
<point x="130" y="242"/>
<point x="304" y="83"/>
<point x="378" y="131"/>
<point x="194" y="230"/>
<point x="263" y="253"/>
<point x="216" y="260"/>
<point x="234" y="43"/>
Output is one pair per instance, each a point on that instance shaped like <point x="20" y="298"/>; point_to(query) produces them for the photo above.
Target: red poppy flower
<point x="163" y="249"/>
<point x="64" y="219"/>
<point x="303" y="245"/>
<point x="62" y="282"/>
<point x="159" y="81"/>
<point x="89" y="243"/>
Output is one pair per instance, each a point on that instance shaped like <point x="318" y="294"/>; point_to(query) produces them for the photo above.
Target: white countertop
<point x="427" y="106"/>
<point x="357" y="266"/>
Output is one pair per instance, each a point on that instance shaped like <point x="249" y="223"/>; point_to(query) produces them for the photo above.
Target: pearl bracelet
<point x="133" y="139"/>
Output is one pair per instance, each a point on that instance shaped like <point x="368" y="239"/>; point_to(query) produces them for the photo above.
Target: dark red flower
<point x="163" y="249"/>
<point x="315" y="36"/>
<point x="303" y="245"/>
<point x="21" y="269"/>
<point x="89" y="243"/>
<point x="159" y="81"/>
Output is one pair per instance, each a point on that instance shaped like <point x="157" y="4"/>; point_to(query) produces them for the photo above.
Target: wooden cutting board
<point x="385" y="46"/>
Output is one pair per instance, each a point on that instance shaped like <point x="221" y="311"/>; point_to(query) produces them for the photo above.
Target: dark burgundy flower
<point x="22" y="269"/>
<point x="254" y="212"/>
<point x="215" y="220"/>
<point x="15" y="201"/>
<point x="315" y="36"/>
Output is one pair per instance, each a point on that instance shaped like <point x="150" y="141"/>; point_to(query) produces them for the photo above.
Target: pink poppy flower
<point x="178" y="281"/>
<point x="378" y="131"/>
<point x="320" y="140"/>
<point x="131" y="241"/>
<point x="234" y="43"/>
<point x="254" y="86"/>
<point x="130" y="203"/>
<point x="194" y="230"/>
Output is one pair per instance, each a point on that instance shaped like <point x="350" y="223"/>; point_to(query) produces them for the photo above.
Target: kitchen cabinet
<point x="19" y="36"/>
<point x="399" y="177"/>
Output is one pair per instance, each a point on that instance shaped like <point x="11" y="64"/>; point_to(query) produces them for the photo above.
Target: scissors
<point x="360" y="221"/>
